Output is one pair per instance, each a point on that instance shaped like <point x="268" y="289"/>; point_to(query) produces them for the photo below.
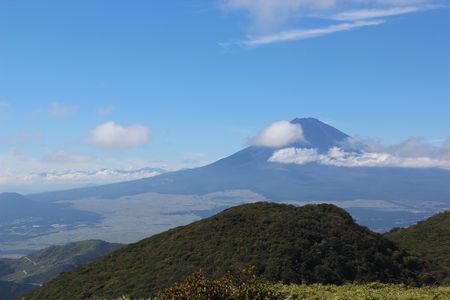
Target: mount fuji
<point x="251" y="169"/>
<point x="381" y="197"/>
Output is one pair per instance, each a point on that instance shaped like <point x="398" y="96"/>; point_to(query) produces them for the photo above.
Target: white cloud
<point x="97" y="176"/>
<point x="271" y="21"/>
<point x="293" y="155"/>
<point x="61" y="110"/>
<point x="364" y="14"/>
<point x="412" y="147"/>
<point x="3" y="104"/>
<point x="301" y="34"/>
<point x="106" y="110"/>
<point x="110" y="135"/>
<point x="409" y="154"/>
<point x="266" y="14"/>
<point x="63" y="157"/>
<point x="278" y="134"/>
<point x="73" y="177"/>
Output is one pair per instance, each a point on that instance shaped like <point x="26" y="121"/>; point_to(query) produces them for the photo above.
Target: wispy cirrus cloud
<point x="106" y="110"/>
<point x="61" y="110"/>
<point x="364" y="14"/>
<point x="272" y="21"/>
<point x="301" y="34"/>
<point x="56" y="109"/>
<point x="266" y="15"/>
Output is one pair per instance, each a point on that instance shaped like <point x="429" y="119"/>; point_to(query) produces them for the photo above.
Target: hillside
<point x="21" y="275"/>
<point x="313" y="243"/>
<point x="429" y="239"/>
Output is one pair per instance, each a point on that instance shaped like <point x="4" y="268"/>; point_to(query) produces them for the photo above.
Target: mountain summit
<point x="318" y="134"/>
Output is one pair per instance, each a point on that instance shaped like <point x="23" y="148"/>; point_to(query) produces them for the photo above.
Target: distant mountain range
<point x="400" y="195"/>
<point x="312" y="243"/>
<point x="18" y="276"/>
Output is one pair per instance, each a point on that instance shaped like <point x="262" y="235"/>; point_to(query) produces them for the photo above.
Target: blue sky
<point x="196" y="80"/>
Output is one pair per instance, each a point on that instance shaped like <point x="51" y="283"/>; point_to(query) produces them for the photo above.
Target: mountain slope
<point x="313" y="243"/>
<point x="43" y="265"/>
<point x="429" y="239"/>
<point x="20" y="276"/>
<point x="242" y="170"/>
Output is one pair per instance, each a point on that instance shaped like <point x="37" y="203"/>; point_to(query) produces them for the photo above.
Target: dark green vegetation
<point x="429" y="239"/>
<point x="24" y="274"/>
<point x="313" y="243"/>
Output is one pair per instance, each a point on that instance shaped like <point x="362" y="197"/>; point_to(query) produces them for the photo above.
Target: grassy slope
<point x="314" y="243"/>
<point x="375" y="291"/>
<point x="371" y="291"/>
<point x="242" y="285"/>
<point x="45" y="264"/>
<point x="429" y="239"/>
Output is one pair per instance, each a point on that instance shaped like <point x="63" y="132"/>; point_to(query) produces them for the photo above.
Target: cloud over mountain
<point x="412" y="153"/>
<point x="278" y="134"/>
